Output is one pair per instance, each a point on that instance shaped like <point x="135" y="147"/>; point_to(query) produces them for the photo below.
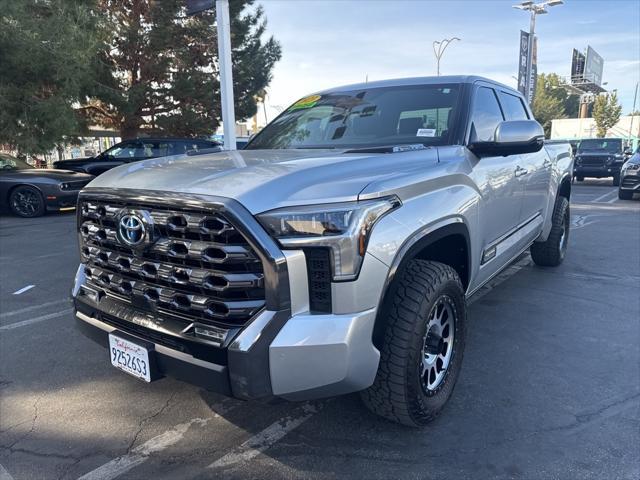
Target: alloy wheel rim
<point x="437" y="344"/>
<point x="26" y="202"/>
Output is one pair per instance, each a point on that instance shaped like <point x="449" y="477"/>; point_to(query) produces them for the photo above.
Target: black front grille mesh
<point x="198" y="266"/>
<point x="319" y="272"/>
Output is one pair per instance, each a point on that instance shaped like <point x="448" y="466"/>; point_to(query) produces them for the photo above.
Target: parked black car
<point x="133" y="151"/>
<point x="29" y="192"/>
<point x="599" y="158"/>
<point x="630" y="177"/>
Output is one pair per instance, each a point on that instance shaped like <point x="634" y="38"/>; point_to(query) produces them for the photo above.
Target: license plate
<point x="129" y="357"/>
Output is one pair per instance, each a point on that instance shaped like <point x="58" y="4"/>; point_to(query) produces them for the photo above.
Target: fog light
<point x="211" y="333"/>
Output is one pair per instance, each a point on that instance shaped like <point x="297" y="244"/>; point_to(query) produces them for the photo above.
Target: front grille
<point x="630" y="182"/>
<point x="198" y="267"/>
<point x="74" y="185"/>
<point x="595" y="161"/>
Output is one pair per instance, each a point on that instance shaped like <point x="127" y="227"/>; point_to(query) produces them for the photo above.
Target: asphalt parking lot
<point x="550" y="387"/>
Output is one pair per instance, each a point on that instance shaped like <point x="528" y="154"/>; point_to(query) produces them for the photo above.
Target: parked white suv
<point x="334" y="254"/>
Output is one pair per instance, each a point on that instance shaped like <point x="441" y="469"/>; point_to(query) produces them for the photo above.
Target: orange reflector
<point x="361" y="245"/>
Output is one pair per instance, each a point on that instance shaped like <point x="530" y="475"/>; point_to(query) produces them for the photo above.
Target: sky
<point x="327" y="43"/>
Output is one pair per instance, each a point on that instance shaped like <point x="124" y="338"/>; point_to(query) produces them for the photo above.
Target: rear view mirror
<point x="512" y="138"/>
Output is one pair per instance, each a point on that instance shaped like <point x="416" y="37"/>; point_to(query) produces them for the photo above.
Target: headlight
<point x="344" y="228"/>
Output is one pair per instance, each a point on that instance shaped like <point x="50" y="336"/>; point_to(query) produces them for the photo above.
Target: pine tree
<point x="158" y="67"/>
<point x="46" y="49"/>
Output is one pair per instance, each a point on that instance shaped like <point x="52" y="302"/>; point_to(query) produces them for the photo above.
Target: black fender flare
<point x="417" y="242"/>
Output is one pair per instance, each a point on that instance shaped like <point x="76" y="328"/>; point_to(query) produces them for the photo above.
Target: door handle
<point x="521" y="171"/>
<point x="546" y="163"/>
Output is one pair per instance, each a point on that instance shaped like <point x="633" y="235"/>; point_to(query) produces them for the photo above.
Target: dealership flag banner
<point x="534" y="71"/>
<point x="522" y="62"/>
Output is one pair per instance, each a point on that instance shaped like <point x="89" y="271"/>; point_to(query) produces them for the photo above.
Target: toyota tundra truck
<point x="334" y="254"/>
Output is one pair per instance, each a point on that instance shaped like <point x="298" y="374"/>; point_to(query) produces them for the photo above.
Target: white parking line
<point x="602" y="197"/>
<point x="266" y="438"/>
<point x="139" y="454"/>
<point x="42" y="318"/>
<point x="23" y="289"/>
<point x="33" y="307"/>
<point x="4" y="475"/>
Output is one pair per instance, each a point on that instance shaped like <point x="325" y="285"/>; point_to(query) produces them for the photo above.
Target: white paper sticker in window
<point x="426" y="132"/>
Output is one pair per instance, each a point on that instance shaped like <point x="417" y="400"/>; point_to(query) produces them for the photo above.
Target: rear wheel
<point x="625" y="194"/>
<point x="423" y="345"/>
<point x="26" y="201"/>
<point x="551" y="253"/>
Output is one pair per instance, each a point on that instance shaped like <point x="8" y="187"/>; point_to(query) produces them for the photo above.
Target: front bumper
<point x="596" y="171"/>
<point x="289" y="353"/>
<point x="630" y="181"/>
<point x="62" y="200"/>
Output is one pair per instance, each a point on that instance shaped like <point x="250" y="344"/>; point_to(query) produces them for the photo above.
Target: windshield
<point x="416" y="114"/>
<point x="612" y="145"/>
<point x="11" y="163"/>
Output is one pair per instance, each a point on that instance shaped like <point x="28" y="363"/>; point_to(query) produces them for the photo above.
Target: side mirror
<point x="511" y="138"/>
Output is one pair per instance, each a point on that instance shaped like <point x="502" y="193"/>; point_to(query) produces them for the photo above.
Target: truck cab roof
<point x="398" y="82"/>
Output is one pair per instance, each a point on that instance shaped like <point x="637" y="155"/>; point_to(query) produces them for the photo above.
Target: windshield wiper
<point x="388" y="148"/>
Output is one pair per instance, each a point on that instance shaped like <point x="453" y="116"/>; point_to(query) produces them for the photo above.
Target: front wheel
<point x="616" y="180"/>
<point x="423" y="345"/>
<point x="551" y="253"/>
<point x="625" y="194"/>
<point x="26" y="201"/>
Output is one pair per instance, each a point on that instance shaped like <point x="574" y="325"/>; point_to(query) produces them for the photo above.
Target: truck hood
<point x="266" y="179"/>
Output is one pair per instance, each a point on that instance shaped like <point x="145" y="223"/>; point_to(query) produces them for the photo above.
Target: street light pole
<point x="535" y="9"/>
<point x="226" y="77"/>
<point x="532" y="32"/>
<point x="439" y="52"/>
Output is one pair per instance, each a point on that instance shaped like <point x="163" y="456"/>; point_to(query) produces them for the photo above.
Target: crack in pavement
<point x="143" y="422"/>
<point x="31" y="430"/>
<point x="580" y="422"/>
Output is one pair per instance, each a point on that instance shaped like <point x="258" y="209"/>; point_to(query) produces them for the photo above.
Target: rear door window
<point x="513" y="107"/>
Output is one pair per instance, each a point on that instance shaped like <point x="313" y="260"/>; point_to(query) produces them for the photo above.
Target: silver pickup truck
<point x="334" y="254"/>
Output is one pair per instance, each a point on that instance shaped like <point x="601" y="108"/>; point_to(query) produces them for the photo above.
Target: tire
<point x="625" y="195"/>
<point x="411" y="387"/>
<point x="579" y="178"/>
<point x="26" y="201"/>
<point x="551" y="253"/>
<point x="616" y="180"/>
